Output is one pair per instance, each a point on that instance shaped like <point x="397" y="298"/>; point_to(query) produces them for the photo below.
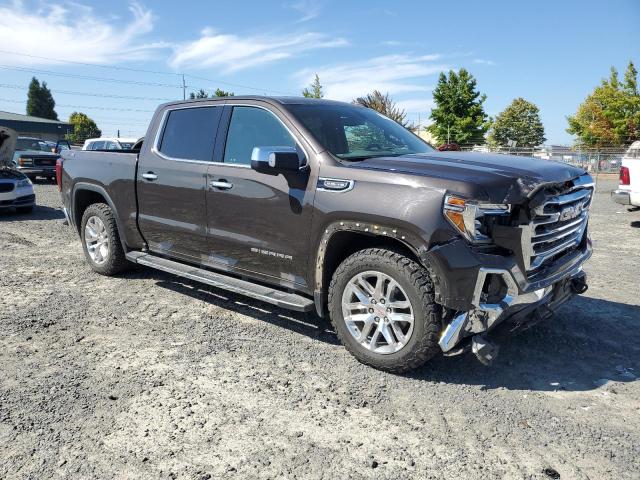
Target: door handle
<point x="221" y="184"/>
<point x="150" y="176"/>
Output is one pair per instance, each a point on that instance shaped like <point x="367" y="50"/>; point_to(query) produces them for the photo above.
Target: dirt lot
<point x="149" y="376"/>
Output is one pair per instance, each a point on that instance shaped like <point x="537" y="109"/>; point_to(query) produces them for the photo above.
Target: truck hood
<point x="494" y="177"/>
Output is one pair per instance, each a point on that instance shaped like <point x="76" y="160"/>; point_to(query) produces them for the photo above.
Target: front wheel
<point x="100" y="241"/>
<point x="383" y="309"/>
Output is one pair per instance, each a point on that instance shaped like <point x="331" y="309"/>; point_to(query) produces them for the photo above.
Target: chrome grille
<point x="44" y="161"/>
<point x="558" y="225"/>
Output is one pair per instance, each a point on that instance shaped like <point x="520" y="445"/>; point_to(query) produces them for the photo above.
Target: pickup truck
<point x="628" y="192"/>
<point x="319" y="205"/>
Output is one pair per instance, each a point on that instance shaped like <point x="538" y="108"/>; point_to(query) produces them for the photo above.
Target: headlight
<point x="25" y="182"/>
<point x="470" y="218"/>
<point x="22" y="161"/>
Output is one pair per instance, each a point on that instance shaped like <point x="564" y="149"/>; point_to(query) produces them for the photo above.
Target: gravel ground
<point x="150" y="376"/>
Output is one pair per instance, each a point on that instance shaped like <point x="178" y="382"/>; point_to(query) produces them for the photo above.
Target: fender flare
<point x="83" y="186"/>
<point x="409" y="239"/>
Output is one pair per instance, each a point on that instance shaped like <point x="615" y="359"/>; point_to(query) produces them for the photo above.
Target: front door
<point x="172" y="179"/>
<point x="258" y="223"/>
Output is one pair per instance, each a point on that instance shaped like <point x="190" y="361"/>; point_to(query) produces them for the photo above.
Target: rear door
<point x="172" y="180"/>
<point x="258" y="223"/>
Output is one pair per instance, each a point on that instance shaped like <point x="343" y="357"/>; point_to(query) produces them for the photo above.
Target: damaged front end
<point x="528" y="264"/>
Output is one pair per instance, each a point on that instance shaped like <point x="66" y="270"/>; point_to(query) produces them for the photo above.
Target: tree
<point x="203" y="94"/>
<point x="83" y="128"/>
<point x="40" y="102"/>
<point x="316" y="89"/>
<point x="459" y="116"/>
<point x="610" y="115"/>
<point x="520" y="122"/>
<point x="385" y="105"/>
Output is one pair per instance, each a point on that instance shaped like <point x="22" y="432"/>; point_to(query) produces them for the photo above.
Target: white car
<point x="16" y="191"/>
<point x="628" y="192"/>
<point x="109" y="143"/>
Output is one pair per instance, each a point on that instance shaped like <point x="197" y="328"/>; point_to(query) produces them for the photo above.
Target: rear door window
<point x="190" y="133"/>
<point x="97" y="146"/>
<point x="252" y="127"/>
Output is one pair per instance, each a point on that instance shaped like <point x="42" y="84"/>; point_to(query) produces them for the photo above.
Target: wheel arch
<point x="341" y="239"/>
<point x="86" y="194"/>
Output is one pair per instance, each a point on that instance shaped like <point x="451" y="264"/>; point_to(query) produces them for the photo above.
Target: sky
<point x="117" y="60"/>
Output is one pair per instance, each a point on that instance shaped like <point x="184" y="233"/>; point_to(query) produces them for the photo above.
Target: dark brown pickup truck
<point x="313" y="204"/>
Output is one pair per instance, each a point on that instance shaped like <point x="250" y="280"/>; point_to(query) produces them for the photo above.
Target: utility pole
<point x="448" y="133"/>
<point x="118" y="133"/>
<point x="184" y="89"/>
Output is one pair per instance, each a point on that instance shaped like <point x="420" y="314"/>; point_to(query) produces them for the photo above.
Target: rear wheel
<point x="100" y="240"/>
<point x="383" y="309"/>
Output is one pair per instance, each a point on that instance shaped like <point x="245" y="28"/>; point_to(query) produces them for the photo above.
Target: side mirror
<point x="274" y="160"/>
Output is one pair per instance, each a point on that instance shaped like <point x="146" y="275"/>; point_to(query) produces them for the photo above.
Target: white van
<point x="628" y="192"/>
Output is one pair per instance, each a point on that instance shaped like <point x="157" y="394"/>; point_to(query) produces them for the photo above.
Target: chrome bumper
<point x="485" y="316"/>
<point x="623" y="197"/>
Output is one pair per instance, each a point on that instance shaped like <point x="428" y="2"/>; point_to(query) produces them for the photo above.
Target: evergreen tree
<point x="203" y="94"/>
<point x="519" y="122"/>
<point x="459" y="116"/>
<point x="40" y="102"/>
<point x="316" y="89"/>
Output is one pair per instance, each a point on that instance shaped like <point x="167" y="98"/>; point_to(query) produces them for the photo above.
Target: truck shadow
<point x="587" y="344"/>
<point x="308" y="324"/>
<point x="40" y="212"/>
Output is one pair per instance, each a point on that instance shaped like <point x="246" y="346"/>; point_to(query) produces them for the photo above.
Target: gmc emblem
<point x="568" y="213"/>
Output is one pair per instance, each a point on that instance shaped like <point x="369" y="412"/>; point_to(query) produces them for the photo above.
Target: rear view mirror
<point x="273" y="160"/>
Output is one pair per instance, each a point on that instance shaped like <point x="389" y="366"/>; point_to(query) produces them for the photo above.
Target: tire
<point x="24" y="210"/>
<point x="417" y="287"/>
<point x="114" y="260"/>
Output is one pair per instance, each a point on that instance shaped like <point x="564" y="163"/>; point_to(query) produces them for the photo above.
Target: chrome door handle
<point x="222" y="184"/>
<point x="150" y="176"/>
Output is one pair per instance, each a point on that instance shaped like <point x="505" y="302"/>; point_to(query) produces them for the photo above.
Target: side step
<point x="282" y="299"/>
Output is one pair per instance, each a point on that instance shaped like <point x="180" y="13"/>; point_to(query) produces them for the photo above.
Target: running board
<point x="282" y="299"/>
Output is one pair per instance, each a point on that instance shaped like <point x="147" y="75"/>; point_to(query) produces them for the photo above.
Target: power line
<point x="85" y="107"/>
<point x="88" y="94"/>
<point x="87" y="77"/>
<point x="115" y="67"/>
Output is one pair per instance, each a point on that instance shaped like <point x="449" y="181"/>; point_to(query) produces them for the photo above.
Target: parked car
<point x="628" y="192"/>
<point x="34" y="158"/>
<point x="109" y="143"/>
<point x="328" y="206"/>
<point x="16" y="190"/>
<point x="449" y="147"/>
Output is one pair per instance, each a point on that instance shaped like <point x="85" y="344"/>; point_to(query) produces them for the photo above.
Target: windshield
<point x="31" y="144"/>
<point x="355" y="133"/>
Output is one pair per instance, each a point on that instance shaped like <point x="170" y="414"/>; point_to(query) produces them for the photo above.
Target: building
<point x="28" y="126"/>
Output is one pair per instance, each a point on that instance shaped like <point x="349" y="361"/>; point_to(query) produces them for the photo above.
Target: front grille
<point x="44" y="161"/>
<point x="558" y="225"/>
<point x="6" y="187"/>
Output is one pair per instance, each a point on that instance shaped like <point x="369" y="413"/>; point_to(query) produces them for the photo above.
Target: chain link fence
<point x="606" y="160"/>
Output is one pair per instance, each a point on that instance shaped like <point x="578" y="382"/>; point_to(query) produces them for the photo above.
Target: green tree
<point x="40" y="102"/>
<point x="83" y="128"/>
<point x="203" y="94"/>
<point x="316" y="89"/>
<point x="222" y="93"/>
<point x="385" y="105"/>
<point x="610" y="115"/>
<point x="459" y="116"/>
<point x="520" y="122"/>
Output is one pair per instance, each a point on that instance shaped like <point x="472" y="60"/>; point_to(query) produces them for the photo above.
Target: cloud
<point x="309" y="9"/>
<point x="391" y="74"/>
<point x="231" y="53"/>
<point x="413" y="105"/>
<point x="75" y="32"/>
<point x="482" y="61"/>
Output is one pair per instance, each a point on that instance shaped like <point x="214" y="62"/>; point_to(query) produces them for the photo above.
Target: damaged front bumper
<point x="463" y="277"/>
